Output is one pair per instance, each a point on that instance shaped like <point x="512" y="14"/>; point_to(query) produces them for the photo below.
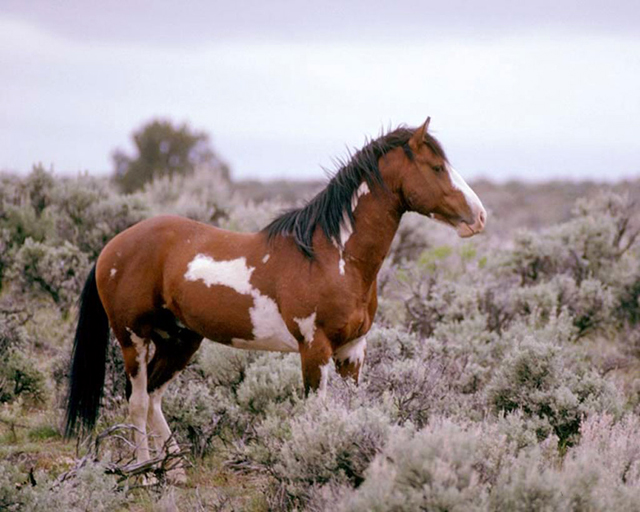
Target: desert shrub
<point x="528" y="485"/>
<point x="11" y="480"/>
<point x="205" y="196"/>
<point x="88" y="213"/>
<point x="19" y="377"/>
<point x="601" y="472"/>
<point x="269" y="381"/>
<point x="23" y="206"/>
<point x="327" y="444"/>
<point x="226" y="392"/>
<point x="56" y="272"/>
<point x="536" y="378"/>
<point x="12" y="320"/>
<point x="193" y="411"/>
<point x="441" y="467"/>
<point x="89" y="489"/>
<point x="250" y="216"/>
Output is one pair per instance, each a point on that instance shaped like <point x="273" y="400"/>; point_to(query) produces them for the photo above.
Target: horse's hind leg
<point x="135" y="351"/>
<point x="171" y="356"/>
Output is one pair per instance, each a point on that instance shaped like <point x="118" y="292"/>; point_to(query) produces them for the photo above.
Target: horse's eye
<point x="437" y="168"/>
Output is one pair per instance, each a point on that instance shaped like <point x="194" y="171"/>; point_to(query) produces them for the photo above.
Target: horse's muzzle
<point x="466" y="230"/>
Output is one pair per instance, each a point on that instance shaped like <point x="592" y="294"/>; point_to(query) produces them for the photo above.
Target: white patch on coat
<point x="269" y="330"/>
<point x="353" y="351"/>
<point x="113" y="272"/>
<point x="472" y="199"/>
<point x="307" y="327"/>
<point x="232" y="273"/>
<point x="266" y="258"/>
<point x="324" y="378"/>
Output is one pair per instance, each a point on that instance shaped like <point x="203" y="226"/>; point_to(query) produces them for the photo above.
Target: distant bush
<point x="163" y="149"/>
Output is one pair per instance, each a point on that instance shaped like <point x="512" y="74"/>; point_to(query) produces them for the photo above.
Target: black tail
<point x="88" y="361"/>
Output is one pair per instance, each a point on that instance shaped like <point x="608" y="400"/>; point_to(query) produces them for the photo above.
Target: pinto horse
<point x="306" y="283"/>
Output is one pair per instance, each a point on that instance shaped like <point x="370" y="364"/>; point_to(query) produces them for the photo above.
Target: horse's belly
<point x="273" y="344"/>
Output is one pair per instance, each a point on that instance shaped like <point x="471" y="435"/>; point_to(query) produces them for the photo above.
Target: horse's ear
<point x="418" y="137"/>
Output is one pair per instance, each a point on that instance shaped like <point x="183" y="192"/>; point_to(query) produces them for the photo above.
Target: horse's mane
<point x="328" y="208"/>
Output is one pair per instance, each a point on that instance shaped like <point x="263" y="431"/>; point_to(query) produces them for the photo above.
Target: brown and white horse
<point x="306" y="283"/>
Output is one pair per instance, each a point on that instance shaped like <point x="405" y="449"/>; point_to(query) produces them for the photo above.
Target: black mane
<point x="328" y="207"/>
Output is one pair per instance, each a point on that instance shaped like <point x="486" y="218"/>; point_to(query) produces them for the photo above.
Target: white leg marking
<point x="324" y="378"/>
<point x="157" y="422"/>
<point x="139" y="400"/>
<point x="307" y="327"/>
<point x="161" y="432"/>
<point x="269" y="330"/>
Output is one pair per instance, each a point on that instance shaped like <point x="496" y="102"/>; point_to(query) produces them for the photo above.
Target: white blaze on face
<point x="475" y="205"/>
<point x="307" y="327"/>
<point x="269" y="330"/>
<point x="346" y="226"/>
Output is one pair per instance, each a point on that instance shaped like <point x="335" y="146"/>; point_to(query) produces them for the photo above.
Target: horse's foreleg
<point x="349" y="358"/>
<point x="315" y="358"/>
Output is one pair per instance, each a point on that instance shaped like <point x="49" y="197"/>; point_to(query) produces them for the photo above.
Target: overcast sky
<point x="526" y="90"/>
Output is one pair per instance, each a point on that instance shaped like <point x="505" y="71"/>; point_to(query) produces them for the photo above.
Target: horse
<point x="306" y="283"/>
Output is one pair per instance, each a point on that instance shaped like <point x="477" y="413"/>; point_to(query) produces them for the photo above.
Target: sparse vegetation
<point x="502" y="372"/>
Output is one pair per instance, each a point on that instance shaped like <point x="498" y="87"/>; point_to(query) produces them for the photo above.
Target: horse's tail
<point x="88" y="361"/>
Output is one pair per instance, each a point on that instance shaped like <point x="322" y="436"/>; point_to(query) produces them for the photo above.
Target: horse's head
<point x="432" y="187"/>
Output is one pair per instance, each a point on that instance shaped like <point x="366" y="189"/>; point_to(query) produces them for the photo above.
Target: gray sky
<point x="526" y="90"/>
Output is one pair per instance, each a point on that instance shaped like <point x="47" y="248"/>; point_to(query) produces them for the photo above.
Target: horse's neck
<point x="377" y="217"/>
